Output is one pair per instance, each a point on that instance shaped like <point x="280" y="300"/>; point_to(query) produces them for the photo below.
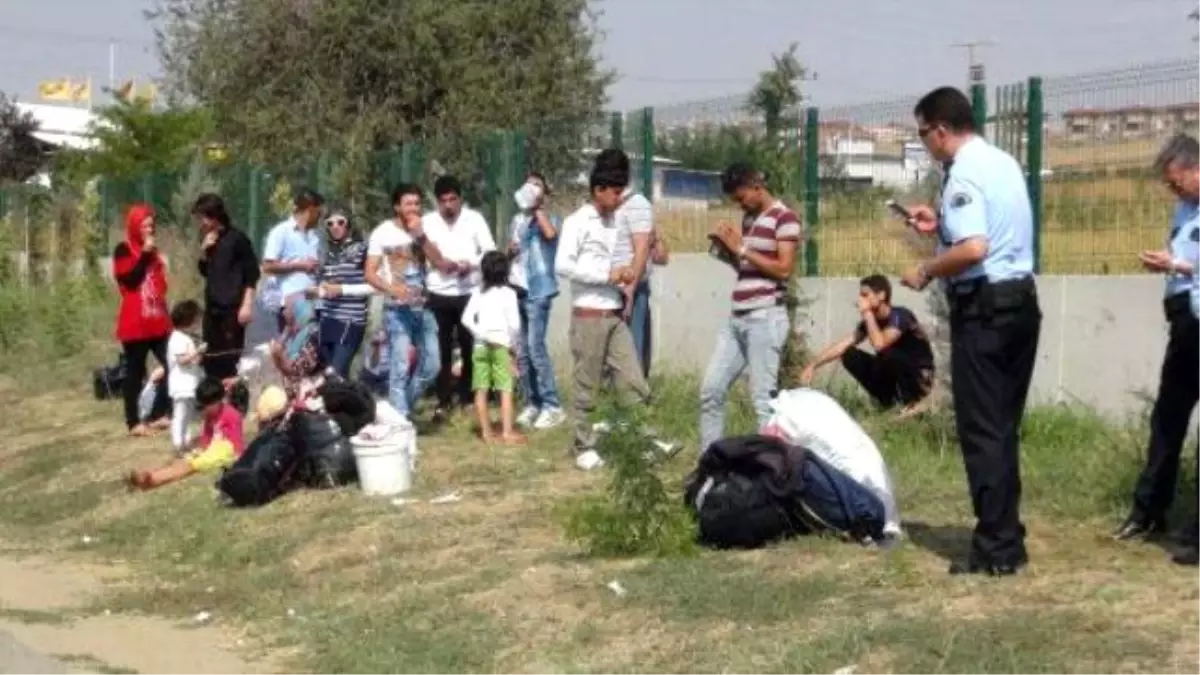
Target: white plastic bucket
<point x="385" y="467"/>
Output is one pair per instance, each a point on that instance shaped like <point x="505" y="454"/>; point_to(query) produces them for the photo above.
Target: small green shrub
<point x="636" y="514"/>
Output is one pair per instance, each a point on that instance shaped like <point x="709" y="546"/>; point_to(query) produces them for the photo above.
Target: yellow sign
<point x="130" y="91"/>
<point x="65" y="89"/>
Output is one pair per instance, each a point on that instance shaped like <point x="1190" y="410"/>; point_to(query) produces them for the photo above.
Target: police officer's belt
<point x="982" y="299"/>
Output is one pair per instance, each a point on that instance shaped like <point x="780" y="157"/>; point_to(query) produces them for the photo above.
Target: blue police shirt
<point x="286" y="243"/>
<point x="985" y="195"/>
<point x="1184" y="244"/>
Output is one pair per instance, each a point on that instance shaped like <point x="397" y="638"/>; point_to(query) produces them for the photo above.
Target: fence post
<point x="812" y="190"/>
<point x="648" y="153"/>
<point x="512" y="175"/>
<point x="616" y="134"/>
<point x="1034" y="125"/>
<point x="979" y="106"/>
<point x="254" y="207"/>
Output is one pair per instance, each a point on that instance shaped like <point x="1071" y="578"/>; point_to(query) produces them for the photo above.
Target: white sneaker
<point x="527" y="416"/>
<point x="588" y="460"/>
<point x="550" y="418"/>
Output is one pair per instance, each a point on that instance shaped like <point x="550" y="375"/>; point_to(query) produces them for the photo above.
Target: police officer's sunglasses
<point x="336" y="221"/>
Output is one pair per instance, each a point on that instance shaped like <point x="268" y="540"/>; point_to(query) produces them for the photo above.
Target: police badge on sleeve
<point x="959" y="200"/>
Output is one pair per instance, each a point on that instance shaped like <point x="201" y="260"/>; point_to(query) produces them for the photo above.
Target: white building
<point x="62" y="126"/>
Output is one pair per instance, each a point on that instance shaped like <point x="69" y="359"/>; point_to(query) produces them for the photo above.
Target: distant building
<point x="62" y="126"/>
<point x="1129" y="122"/>
<point x="878" y="156"/>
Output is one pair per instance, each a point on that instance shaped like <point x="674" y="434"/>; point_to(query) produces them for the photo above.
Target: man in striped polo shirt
<point x="763" y="251"/>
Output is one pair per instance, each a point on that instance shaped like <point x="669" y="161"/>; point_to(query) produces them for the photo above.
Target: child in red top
<point x="219" y="445"/>
<point x="143" y="323"/>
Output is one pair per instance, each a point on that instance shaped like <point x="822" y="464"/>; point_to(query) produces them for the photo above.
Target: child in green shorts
<point x="494" y="320"/>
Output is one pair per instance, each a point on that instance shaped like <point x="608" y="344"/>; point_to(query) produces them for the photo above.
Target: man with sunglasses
<point x="985" y="262"/>
<point x="292" y="254"/>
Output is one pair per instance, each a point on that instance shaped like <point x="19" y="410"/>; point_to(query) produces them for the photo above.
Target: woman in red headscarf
<point x="143" y="322"/>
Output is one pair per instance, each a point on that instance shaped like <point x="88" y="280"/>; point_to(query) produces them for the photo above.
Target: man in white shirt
<point x="462" y="236"/>
<point x="598" y="335"/>
<point x="635" y="222"/>
<point x="291" y="255"/>
<point x="395" y="253"/>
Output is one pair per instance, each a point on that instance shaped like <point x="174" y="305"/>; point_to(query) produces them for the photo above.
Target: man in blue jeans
<point x="763" y="251"/>
<point x="396" y="252"/>
<point x="533" y="247"/>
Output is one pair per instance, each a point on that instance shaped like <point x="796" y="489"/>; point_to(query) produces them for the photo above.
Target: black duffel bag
<point x="326" y="458"/>
<point x="262" y="473"/>
<point x="350" y="404"/>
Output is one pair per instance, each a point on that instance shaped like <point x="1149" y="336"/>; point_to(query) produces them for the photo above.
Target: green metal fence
<point x="1087" y="161"/>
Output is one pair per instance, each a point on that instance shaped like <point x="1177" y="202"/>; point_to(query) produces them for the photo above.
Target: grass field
<point x="335" y="582"/>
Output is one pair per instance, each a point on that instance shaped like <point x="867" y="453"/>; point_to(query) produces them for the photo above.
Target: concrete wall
<point x="1101" y="345"/>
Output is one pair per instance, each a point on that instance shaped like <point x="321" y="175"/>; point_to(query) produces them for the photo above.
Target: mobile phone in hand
<point x="900" y="212"/>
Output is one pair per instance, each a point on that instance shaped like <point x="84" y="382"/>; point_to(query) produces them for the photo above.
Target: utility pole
<point x="975" y="74"/>
<point x="977" y="82"/>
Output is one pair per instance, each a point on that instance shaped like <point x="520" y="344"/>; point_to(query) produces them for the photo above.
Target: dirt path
<point x="41" y="601"/>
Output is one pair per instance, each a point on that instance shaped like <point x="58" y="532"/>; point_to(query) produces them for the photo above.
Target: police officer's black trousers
<point x="1178" y="390"/>
<point x="991" y="362"/>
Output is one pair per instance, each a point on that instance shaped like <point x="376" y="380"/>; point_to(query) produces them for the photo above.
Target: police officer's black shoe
<point x="974" y="565"/>
<point x="1136" y="527"/>
<point x="1187" y="555"/>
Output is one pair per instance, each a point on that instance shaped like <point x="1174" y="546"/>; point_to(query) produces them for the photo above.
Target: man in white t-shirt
<point x="461" y="235"/>
<point x="396" y="253"/>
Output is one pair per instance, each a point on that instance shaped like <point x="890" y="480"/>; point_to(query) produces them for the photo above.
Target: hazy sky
<point x="670" y="51"/>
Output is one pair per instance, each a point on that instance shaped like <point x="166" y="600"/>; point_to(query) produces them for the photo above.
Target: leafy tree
<point x="290" y="79"/>
<point x="21" y="154"/>
<point x="777" y="93"/>
<point x="133" y="139"/>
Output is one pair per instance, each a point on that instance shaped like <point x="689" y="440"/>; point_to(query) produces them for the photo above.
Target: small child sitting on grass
<point x="219" y="445"/>
<point x="494" y="320"/>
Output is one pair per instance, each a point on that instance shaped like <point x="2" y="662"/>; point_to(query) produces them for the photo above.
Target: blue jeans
<point x="538" y="388"/>
<point x="340" y="341"/>
<point x="639" y="325"/>
<point x="753" y="340"/>
<point x="407" y="327"/>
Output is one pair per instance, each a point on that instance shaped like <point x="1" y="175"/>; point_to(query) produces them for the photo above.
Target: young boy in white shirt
<point x="183" y="370"/>
<point x="494" y="320"/>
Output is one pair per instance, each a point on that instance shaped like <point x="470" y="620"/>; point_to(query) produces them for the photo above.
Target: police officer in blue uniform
<point x="1178" y="387"/>
<point x="985" y="264"/>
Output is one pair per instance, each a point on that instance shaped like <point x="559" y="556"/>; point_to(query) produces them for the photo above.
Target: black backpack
<point x="107" y="381"/>
<point x="738" y="511"/>
<point x="326" y="458"/>
<point x="262" y="473"/>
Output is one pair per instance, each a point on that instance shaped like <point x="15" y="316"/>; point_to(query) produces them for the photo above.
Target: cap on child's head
<point x="272" y="403"/>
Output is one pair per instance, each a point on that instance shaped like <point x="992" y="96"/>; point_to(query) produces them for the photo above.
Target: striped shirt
<point x="343" y="265"/>
<point x="762" y="234"/>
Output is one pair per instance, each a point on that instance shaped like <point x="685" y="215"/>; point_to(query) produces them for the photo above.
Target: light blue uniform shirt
<point x="1184" y="243"/>
<point x="287" y="243"/>
<point x="985" y="195"/>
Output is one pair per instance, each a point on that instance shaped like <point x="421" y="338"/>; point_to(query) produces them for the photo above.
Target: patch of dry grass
<point x="336" y="582"/>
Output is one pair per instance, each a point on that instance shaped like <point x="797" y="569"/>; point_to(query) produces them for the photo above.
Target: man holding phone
<point x="763" y="252"/>
<point x="985" y="260"/>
